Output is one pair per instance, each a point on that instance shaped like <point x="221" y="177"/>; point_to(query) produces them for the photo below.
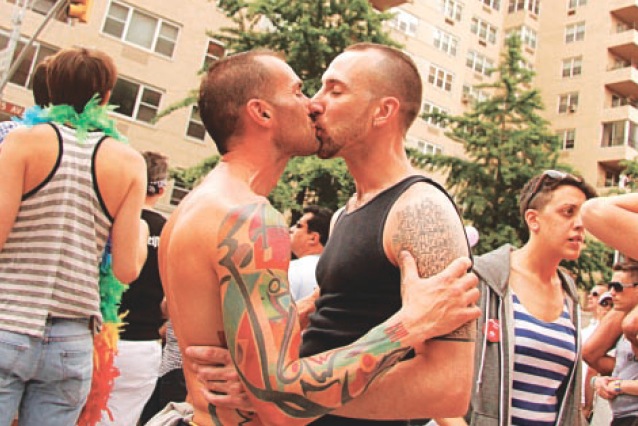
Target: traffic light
<point x="79" y="9"/>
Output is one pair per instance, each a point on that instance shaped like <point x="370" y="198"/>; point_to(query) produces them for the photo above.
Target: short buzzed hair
<point x="397" y="76"/>
<point x="227" y="86"/>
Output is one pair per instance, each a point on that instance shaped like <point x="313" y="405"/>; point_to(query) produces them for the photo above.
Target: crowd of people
<point x="383" y="317"/>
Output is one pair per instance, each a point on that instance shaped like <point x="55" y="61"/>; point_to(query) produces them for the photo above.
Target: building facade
<point x="584" y="54"/>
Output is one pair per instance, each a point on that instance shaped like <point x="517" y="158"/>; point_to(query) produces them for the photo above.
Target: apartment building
<point x="584" y="53"/>
<point x="158" y="49"/>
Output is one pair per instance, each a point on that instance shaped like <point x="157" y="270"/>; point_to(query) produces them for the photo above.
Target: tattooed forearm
<point x="262" y="328"/>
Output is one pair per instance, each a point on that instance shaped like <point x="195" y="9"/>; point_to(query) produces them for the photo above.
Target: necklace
<point x="93" y="117"/>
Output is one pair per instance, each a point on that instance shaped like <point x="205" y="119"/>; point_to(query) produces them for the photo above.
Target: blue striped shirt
<point x="544" y="353"/>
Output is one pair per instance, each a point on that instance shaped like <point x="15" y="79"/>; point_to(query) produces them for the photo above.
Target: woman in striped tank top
<point x="528" y="342"/>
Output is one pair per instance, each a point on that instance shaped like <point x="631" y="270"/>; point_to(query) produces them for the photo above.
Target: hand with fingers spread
<point x="221" y="385"/>
<point x="441" y="303"/>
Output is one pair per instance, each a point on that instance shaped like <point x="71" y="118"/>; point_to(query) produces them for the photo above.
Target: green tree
<point x="309" y="33"/>
<point x="306" y="180"/>
<point x="631" y="171"/>
<point x="506" y="143"/>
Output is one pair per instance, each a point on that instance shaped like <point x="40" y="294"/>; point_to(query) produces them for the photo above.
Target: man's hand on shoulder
<point x="442" y="303"/>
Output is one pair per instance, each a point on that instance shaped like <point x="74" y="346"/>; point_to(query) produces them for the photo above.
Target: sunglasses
<point x="618" y="287"/>
<point x="594" y="294"/>
<point x="554" y="175"/>
<point x="605" y="303"/>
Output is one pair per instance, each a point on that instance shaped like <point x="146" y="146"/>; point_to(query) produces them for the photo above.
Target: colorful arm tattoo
<point x="263" y="333"/>
<point x="427" y="231"/>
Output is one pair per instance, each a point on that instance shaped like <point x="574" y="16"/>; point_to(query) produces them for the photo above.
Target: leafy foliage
<point x="506" y="143"/>
<point x="309" y="33"/>
<point x="306" y="180"/>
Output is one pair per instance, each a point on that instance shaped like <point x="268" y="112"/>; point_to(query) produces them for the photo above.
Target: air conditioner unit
<point x="465" y="98"/>
<point x="572" y="108"/>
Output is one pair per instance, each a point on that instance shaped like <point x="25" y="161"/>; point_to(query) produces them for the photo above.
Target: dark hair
<point x="627" y="265"/>
<point x="541" y="196"/>
<point x="320" y="221"/>
<point x="39" y="80"/>
<point x="228" y="85"/>
<point x="75" y="75"/>
<point x="156" y="171"/>
<point x="396" y="76"/>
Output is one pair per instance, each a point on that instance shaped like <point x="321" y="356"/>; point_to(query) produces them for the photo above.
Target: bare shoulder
<point x="123" y="153"/>
<point x="425" y="222"/>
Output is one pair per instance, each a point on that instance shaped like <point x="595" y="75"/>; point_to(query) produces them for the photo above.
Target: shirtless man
<point x="225" y="253"/>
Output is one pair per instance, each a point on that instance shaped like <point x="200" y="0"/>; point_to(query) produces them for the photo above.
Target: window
<point x="39" y="6"/>
<point x="526" y="34"/>
<point x="445" y="42"/>
<point x="568" y="138"/>
<point x="404" y="22"/>
<point x="440" y="78"/>
<point x="618" y="101"/>
<point x="452" y="9"/>
<point x="180" y="190"/>
<point x="612" y="178"/>
<point x="568" y="102"/>
<point x="573" y="4"/>
<point x="473" y="93"/>
<point x="135" y="100"/>
<point x="618" y="133"/>
<point x="575" y="32"/>
<point x="532" y="6"/>
<point x="484" y="30"/>
<point x="214" y="51"/>
<point x="36" y="53"/>
<point x="494" y="4"/>
<point x="572" y="66"/>
<point x="429" y="147"/>
<point x="196" y="127"/>
<point x="428" y="108"/>
<point x="479" y="63"/>
<point x="141" y="29"/>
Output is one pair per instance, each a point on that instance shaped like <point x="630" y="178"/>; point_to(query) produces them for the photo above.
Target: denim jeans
<point x="47" y="379"/>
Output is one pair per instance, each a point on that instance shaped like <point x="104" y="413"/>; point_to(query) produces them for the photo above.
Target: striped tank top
<point x="544" y="354"/>
<point x="49" y="263"/>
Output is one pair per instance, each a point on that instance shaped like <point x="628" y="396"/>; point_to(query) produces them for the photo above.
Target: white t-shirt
<point x="301" y="275"/>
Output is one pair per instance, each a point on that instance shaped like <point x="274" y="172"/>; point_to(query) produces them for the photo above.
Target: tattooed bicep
<point x="431" y="230"/>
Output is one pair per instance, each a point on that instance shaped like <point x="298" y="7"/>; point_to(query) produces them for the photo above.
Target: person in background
<point x="63" y="190"/>
<point x="593" y="306"/>
<point x="596" y="409"/>
<point x="308" y="236"/>
<point x="40" y="91"/>
<point x="531" y="314"/>
<point x="139" y="350"/>
<point x="618" y="380"/>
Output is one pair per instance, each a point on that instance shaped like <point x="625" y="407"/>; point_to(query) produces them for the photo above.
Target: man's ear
<point x="259" y="111"/>
<point x="387" y="108"/>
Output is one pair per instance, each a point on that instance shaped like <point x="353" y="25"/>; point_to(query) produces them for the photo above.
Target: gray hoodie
<point x="494" y="362"/>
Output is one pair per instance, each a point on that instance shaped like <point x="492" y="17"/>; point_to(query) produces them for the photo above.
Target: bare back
<point x="187" y="266"/>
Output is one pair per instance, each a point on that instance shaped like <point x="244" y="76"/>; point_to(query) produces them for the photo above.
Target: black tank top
<point x="360" y="288"/>
<point x="143" y="297"/>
